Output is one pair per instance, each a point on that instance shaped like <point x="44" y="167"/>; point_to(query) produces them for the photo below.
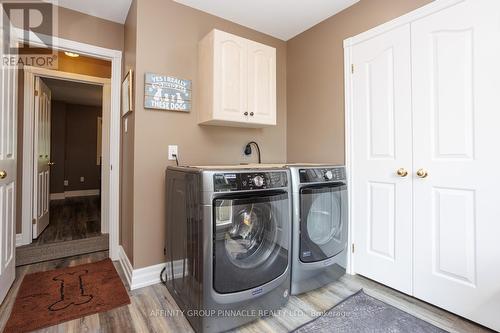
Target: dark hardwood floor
<point x="74" y="229"/>
<point x="72" y="218"/>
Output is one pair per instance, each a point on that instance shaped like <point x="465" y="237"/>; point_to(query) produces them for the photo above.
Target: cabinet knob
<point x="246" y="113"/>
<point x="251" y="114"/>
<point x="3" y="174"/>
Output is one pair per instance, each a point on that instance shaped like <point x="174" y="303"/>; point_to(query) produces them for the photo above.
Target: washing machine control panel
<point x="224" y="182"/>
<point x="321" y="175"/>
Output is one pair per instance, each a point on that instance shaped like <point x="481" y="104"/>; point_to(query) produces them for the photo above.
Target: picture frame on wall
<point x="127" y="105"/>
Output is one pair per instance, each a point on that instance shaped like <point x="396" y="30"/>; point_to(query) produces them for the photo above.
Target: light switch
<point x="66" y="182"/>
<point x="82" y="179"/>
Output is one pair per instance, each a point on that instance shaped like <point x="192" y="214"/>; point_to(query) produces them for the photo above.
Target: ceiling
<point x="283" y="19"/>
<point x="112" y="10"/>
<point x="74" y="92"/>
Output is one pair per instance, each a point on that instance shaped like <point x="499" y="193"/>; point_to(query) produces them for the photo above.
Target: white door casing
<point x="261" y="83"/>
<point x="8" y="177"/>
<point x="456" y="117"/>
<point x="41" y="184"/>
<point x="381" y="144"/>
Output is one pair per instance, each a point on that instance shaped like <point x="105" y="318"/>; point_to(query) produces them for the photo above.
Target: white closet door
<point x="456" y="116"/>
<point x="381" y="144"/>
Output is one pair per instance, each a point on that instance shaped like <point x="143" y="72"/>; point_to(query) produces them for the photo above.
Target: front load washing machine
<point x="319" y="228"/>
<point x="228" y="241"/>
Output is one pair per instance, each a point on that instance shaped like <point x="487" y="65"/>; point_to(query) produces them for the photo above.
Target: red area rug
<point x="52" y="297"/>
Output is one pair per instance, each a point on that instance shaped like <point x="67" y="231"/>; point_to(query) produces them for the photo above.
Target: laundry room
<point x="264" y="166"/>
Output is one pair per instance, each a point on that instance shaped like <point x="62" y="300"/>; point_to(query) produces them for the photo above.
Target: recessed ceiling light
<point x="71" y="54"/>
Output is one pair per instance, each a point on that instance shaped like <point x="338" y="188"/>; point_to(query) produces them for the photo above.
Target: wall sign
<point x="167" y="93"/>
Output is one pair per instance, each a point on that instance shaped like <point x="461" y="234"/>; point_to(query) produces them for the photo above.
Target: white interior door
<point x="41" y="182"/>
<point x="456" y="98"/>
<point x="8" y="184"/>
<point x="381" y="145"/>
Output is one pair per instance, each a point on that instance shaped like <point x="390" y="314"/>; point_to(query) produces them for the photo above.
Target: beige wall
<point x="315" y="79"/>
<point x="127" y="142"/>
<point x="88" y="29"/>
<point x="167" y="43"/>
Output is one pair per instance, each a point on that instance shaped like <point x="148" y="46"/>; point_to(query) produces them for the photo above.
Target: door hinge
<point x="36" y="92"/>
<point x="352" y="247"/>
<point x="34" y="221"/>
<point x="352" y="68"/>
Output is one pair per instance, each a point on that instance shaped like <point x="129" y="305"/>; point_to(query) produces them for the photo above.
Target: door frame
<point x="418" y="13"/>
<point x="111" y="224"/>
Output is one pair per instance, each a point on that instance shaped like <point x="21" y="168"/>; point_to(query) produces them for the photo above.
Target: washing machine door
<point x="323" y="221"/>
<point x="251" y="240"/>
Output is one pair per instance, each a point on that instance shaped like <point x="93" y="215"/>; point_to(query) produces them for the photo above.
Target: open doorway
<point x="66" y="148"/>
<point x="74" y="163"/>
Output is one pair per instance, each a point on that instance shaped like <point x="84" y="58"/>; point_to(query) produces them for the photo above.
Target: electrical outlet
<point x="66" y="182"/>
<point x="82" y="179"/>
<point x="172" y="150"/>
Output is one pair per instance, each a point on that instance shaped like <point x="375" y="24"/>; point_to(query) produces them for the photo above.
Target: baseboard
<point x="19" y="240"/>
<point x="70" y="194"/>
<point x="147" y="276"/>
<point x="126" y="265"/>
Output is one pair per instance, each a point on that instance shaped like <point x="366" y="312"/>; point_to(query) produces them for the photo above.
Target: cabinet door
<point x="230" y="90"/>
<point x="456" y="117"/>
<point x="261" y="83"/>
<point x="381" y="144"/>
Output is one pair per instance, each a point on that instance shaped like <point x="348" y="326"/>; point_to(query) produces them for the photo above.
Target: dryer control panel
<point x="248" y="181"/>
<point x="321" y="175"/>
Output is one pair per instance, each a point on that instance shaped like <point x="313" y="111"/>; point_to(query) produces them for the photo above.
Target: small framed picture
<point x="127" y="105"/>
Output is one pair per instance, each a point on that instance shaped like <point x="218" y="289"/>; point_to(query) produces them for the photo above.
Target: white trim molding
<point x="147" y="276"/>
<point x="19" y="240"/>
<point x="111" y="166"/>
<point x="414" y="15"/>
<point x="72" y="194"/>
<point x="126" y="265"/>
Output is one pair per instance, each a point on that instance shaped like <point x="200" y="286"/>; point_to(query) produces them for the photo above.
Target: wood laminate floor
<point x="72" y="218"/>
<point x="74" y="229"/>
<point x="144" y="314"/>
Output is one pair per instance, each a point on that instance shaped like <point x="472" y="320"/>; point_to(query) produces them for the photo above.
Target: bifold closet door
<point x="381" y="145"/>
<point x="456" y="117"/>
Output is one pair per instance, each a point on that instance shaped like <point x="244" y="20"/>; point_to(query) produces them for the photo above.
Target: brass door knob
<point x="3" y="174"/>
<point x="422" y="173"/>
<point x="402" y="172"/>
<point x="51" y="164"/>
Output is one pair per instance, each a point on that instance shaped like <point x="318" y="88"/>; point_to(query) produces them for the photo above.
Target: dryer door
<point x="323" y="221"/>
<point x="251" y="240"/>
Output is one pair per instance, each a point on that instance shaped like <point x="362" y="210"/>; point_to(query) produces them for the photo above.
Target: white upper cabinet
<point x="261" y="83"/>
<point x="237" y="81"/>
